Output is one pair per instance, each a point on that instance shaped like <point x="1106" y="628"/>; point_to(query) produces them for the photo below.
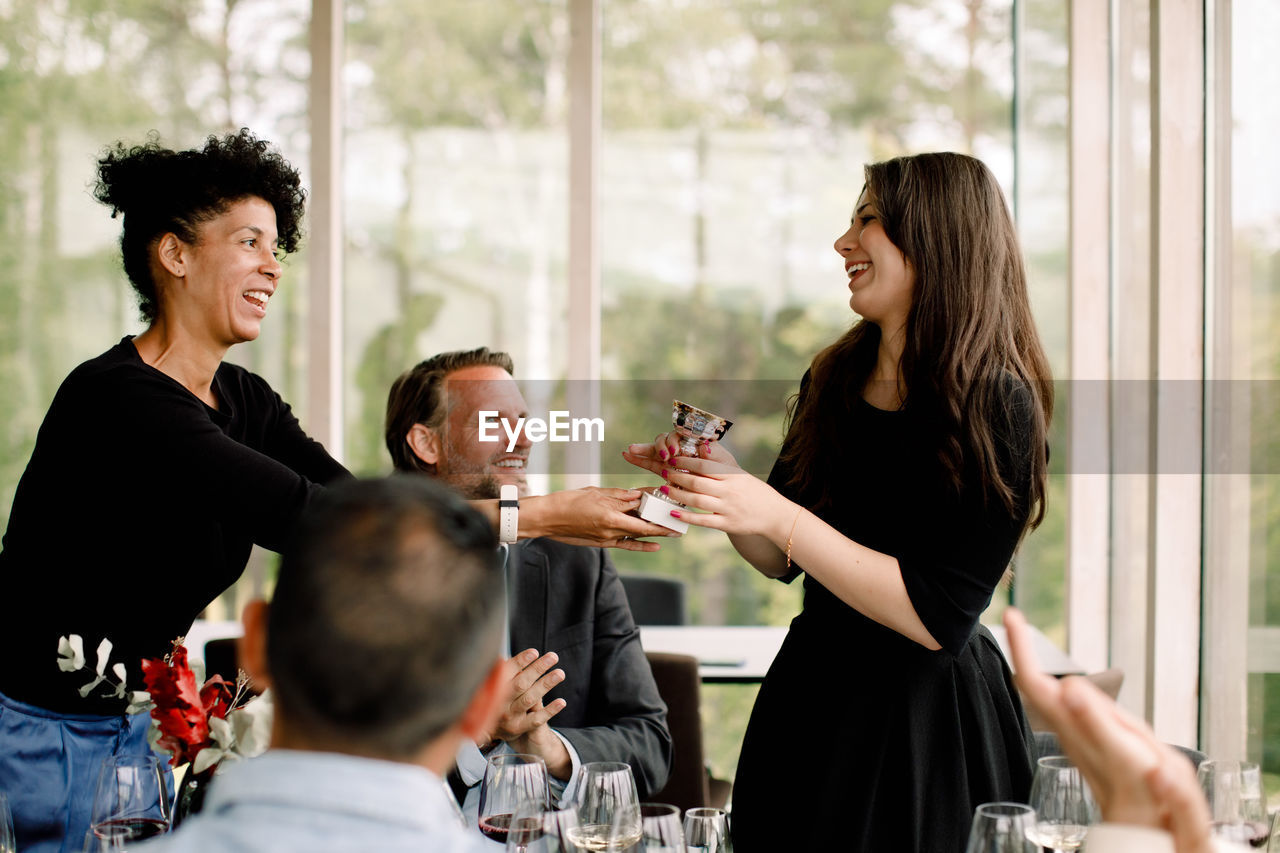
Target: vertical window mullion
<point x="324" y="419"/>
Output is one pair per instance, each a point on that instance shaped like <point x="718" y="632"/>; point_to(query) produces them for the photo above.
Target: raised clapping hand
<point x="731" y="499"/>
<point x="524" y="723"/>
<point x="1135" y="778"/>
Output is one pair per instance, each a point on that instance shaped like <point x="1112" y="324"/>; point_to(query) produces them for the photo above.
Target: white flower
<point x="71" y="653"/>
<point x="153" y="737"/>
<point x="223" y="739"/>
<point x="104" y="654"/>
<point x="118" y="671"/>
<point x="139" y="701"/>
<point x="252" y="725"/>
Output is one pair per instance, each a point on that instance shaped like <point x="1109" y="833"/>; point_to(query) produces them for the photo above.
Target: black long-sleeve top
<point x="140" y="506"/>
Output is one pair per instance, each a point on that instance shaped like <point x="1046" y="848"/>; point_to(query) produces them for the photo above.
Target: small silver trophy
<point x="694" y="426"/>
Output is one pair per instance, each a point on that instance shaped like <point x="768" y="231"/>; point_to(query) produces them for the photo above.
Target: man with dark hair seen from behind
<point x="382" y="647"/>
<point x="584" y="690"/>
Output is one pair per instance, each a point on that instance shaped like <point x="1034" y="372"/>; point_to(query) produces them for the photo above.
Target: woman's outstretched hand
<point x="591" y="516"/>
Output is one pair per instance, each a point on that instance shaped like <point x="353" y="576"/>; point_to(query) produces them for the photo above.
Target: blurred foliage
<point x="74" y="76"/>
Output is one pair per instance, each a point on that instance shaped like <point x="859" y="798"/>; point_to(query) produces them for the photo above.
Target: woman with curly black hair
<point x="157" y="468"/>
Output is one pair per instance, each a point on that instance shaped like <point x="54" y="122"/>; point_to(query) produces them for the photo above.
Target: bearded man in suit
<point x="583" y="690"/>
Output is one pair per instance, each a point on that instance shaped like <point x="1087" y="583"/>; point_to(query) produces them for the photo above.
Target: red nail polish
<point x="662" y="454"/>
<point x="664" y="490"/>
<point x="664" y="473"/>
<point x="675" y="513"/>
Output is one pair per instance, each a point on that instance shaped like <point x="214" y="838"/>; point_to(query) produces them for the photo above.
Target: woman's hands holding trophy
<point x="702" y="475"/>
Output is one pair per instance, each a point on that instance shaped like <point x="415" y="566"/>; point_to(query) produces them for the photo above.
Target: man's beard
<point x="485" y="488"/>
<point x="474" y="482"/>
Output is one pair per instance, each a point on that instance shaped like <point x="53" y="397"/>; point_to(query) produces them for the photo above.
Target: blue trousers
<point x="49" y="765"/>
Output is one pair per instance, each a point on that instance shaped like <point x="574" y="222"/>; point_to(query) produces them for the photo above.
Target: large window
<point x="732" y="152"/>
<point x="730" y="149"/>
<point x="455" y="196"/>
<point x="1255" y="288"/>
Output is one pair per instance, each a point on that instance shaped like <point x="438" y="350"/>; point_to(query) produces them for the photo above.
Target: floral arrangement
<point x="203" y="725"/>
<point x="200" y="725"/>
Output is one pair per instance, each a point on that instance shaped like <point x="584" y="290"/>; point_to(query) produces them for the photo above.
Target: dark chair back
<point x="220" y="658"/>
<point x="655" y="600"/>
<point x="689" y="785"/>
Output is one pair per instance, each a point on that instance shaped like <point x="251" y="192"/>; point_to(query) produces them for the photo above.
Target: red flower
<point x="183" y="710"/>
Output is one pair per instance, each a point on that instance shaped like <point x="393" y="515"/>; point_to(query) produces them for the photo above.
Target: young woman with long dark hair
<point x="913" y="463"/>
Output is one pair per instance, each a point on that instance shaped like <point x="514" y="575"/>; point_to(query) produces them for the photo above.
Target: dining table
<point x="727" y="654"/>
<point x="742" y="654"/>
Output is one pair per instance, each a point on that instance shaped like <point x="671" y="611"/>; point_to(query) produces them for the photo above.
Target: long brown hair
<point x="969" y="335"/>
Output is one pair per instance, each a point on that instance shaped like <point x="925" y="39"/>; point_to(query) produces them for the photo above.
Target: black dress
<point x="861" y="739"/>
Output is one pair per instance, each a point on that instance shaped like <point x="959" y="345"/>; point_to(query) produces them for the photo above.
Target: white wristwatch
<point x="508" y="514"/>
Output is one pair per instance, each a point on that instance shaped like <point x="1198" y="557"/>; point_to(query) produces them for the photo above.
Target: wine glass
<point x="1002" y="828"/>
<point x="1237" y="804"/>
<point x="608" y="807"/>
<point x="706" y="830"/>
<point x="661" y="828"/>
<point x="509" y="779"/>
<point x="132" y="800"/>
<point x="7" y="844"/>
<point x="106" y="844"/>
<point x="538" y="829"/>
<point x="1062" y="802"/>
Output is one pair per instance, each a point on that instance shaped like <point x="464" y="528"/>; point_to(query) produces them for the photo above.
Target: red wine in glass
<point x="130" y="828"/>
<point x="498" y="827"/>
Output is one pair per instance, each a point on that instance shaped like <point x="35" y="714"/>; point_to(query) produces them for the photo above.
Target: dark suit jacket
<point x="568" y="599"/>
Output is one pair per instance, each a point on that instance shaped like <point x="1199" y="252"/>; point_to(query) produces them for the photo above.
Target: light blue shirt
<point x="286" y="800"/>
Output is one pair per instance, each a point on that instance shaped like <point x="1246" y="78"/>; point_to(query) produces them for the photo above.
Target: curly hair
<point x="161" y="191"/>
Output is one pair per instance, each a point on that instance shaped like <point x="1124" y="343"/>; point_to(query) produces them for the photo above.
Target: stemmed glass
<point x="509" y="780"/>
<point x="7" y="844"/>
<point x="706" y="830"/>
<point x="1237" y="804"/>
<point x="537" y="829"/>
<point x="1062" y="802"/>
<point x="1002" y="828"/>
<point x="661" y="828"/>
<point x="608" y="807"/>
<point x="132" y="800"/>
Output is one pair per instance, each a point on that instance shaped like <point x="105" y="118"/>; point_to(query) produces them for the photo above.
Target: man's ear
<point x="482" y="712"/>
<point x="172" y="255"/>
<point x="252" y="648"/>
<point x="425" y="443"/>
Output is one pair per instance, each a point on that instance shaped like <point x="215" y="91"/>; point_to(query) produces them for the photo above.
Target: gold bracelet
<point x="792" y="533"/>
